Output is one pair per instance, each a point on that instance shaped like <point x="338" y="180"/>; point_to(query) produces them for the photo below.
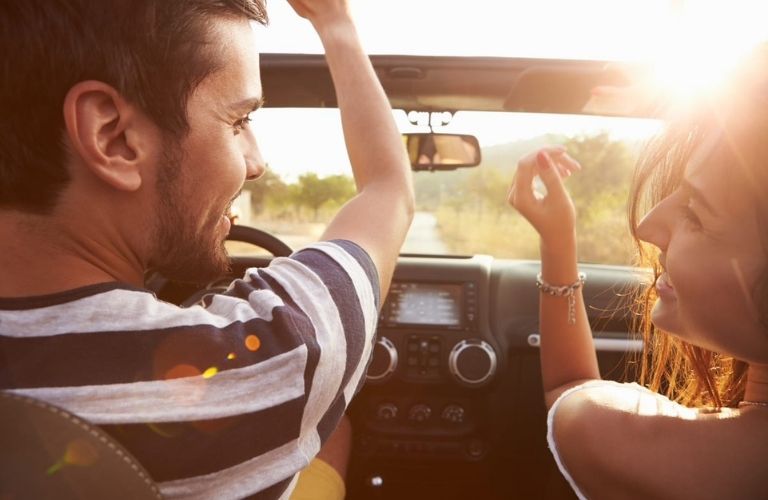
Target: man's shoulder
<point x="97" y="290"/>
<point x="342" y="266"/>
<point x="65" y="311"/>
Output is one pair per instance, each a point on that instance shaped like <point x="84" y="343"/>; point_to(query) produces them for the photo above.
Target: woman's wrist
<point x="559" y="260"/>
<point x="335" y="29"/>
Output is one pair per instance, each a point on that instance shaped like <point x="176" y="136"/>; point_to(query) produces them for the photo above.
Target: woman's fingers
<point x="552" y="214"/>
<point x="551" y="165"/>
<point x="562" y="170"/>
<point x="565" y="165"/>
<point x="552" y="158"/>
<point x="521" y="192"/>
<point x="569" y="163"/>
<point x="550" y="175"/>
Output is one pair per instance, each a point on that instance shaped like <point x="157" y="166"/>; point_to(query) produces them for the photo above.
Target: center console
<point x="433" y="360"/>
<point x="435" y="324"/>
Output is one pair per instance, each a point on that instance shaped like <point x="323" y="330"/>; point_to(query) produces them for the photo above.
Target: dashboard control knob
<point x="383" y="362"/>
<point x="453" y="414"/>
<point x="476" y="449"/>
<point x="472" y="362"/>
<point x="419" y="413"/>
<point x="386" y="411"/>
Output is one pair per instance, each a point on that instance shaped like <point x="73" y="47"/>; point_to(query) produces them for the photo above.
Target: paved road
<point x="424" y="236"/>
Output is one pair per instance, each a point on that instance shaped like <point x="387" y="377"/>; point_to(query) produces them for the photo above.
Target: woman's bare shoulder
<point x="623" y="441"/>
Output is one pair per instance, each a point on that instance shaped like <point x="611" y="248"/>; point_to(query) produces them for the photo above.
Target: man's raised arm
<point x="378" y="218"/>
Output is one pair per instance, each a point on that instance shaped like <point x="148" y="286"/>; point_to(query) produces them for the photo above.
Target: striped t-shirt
<point x="225" y="400"/>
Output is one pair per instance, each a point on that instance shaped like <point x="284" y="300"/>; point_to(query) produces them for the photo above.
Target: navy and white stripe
<point x="120" y="358"/>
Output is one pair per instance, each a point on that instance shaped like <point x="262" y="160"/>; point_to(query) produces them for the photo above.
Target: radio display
<point x="437" y="304"/>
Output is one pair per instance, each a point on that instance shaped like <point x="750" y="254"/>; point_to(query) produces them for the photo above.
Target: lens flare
<point x="181" y="371"/>
<point x="78" y="452"/>
<point x="252" y="343"/>
<point x="164" y="431"/>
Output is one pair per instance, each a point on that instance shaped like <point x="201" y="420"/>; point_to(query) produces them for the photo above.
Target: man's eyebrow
<point x="250" y="104"/>
<point x="697" y="195"/>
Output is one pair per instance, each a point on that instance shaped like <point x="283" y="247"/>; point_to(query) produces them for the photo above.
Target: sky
<point x="484" y="27"/>
<point x="566" y="29"/>
<point x="690" y="42"/>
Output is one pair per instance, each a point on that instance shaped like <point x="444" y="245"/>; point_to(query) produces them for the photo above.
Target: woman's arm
<point x="567" y="352"/>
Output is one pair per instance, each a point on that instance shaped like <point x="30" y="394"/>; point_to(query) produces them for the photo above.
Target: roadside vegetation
<point x="469" y="204"/>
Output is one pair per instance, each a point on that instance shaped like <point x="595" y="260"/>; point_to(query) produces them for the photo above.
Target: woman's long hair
<point x="688" y="374"/>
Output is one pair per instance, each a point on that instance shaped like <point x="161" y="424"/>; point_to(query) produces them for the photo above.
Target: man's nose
<point x="255" y="166"/>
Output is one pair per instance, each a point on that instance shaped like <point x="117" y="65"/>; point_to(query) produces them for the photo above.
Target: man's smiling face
<point x="200" y="175"/>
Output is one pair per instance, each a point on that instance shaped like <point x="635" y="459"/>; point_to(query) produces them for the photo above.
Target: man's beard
<point x="181" y="253"/>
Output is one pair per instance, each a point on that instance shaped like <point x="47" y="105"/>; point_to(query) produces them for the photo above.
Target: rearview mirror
<point x="429" y="151"/>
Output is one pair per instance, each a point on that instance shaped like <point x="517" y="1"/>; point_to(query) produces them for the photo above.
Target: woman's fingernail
<point x="542" y="159"/>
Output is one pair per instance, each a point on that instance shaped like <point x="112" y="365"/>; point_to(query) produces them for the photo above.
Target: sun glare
<point x="703" y="44"/>
<point x="691" y="54"/>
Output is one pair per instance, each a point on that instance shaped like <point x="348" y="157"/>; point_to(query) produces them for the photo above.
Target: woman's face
<point x="711" y="255"/>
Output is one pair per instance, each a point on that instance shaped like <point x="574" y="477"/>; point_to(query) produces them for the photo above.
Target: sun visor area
<point x="560" y="90"/>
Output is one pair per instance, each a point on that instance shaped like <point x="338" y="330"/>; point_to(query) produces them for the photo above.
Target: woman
<point x="706" y="180"/>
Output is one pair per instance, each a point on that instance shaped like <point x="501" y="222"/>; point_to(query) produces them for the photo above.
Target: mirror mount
<point x="431" y="119"/>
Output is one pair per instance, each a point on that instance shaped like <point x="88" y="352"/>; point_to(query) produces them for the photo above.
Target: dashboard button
<point x="453" y="414"/>
<point x="386" y="411"/>
<point x="476" y="449"/>
<point x="419" y="413"/>
<point x="384" y="361"/>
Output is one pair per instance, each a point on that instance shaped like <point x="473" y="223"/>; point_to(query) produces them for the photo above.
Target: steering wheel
<point x="268" y="242"/>
<point x="245" y="234"/>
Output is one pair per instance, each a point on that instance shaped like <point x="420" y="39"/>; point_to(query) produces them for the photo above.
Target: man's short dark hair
<point x="154" y="52"/>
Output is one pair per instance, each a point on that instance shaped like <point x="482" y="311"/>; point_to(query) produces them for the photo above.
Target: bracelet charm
<point x="563" y="291"/>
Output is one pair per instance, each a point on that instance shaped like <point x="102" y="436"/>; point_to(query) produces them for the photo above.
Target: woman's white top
<point x="628" y="397"/>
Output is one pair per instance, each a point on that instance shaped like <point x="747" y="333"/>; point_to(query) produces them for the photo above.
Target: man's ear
<point x="107" y="133"/>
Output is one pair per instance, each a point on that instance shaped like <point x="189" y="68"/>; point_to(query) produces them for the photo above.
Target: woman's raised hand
<point x="320" y="11"/>
<point x="552" y="214"/>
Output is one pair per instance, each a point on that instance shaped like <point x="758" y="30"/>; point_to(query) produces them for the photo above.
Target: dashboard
<point x="453" y="406"/>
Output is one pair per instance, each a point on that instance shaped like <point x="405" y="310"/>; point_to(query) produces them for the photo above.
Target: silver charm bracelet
<point x="563" y="291"/>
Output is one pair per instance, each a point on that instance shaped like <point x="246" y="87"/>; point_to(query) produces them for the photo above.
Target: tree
<point x="486" y="190"/>
<point x="267" y="188"/>
<point x="314" y="191"/>
<point x="600" y="192"/>
<point x="607" y="166"/>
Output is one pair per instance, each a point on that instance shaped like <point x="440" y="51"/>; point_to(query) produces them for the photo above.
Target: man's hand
<point x="552" y="215"/>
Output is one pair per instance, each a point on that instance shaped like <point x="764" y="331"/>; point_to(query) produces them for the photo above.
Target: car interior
<point x="453" y="405"/>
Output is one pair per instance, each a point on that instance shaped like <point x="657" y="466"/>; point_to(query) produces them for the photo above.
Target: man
<point x="123" y="140"/>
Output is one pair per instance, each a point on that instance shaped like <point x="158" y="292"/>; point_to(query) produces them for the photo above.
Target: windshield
<point x="464" y="212"/>
<point x="461" y="212"/>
